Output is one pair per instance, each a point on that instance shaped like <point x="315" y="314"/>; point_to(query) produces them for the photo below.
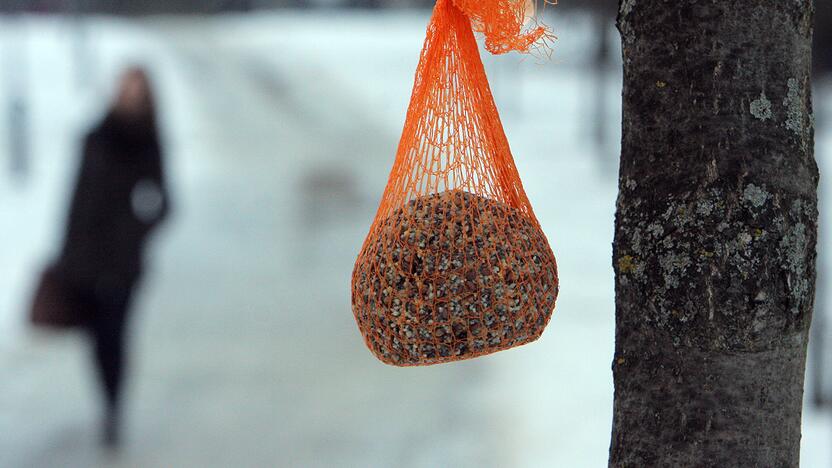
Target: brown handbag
<point x="55" y="304"/>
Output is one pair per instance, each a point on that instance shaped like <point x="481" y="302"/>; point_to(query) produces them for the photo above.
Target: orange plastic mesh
<point x="455" y="264"/>
<point x="502" y="23"/>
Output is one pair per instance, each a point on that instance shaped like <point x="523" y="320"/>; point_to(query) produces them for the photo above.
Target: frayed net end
<point x="504" y="23"/>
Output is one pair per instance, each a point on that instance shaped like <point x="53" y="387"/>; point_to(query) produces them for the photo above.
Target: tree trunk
<point x="715" y="233"/>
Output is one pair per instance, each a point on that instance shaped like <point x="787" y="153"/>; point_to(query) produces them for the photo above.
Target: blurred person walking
<point x="119" y="199"/>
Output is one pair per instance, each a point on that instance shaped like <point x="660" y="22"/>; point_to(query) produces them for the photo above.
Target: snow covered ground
<point x="280" y="132"/>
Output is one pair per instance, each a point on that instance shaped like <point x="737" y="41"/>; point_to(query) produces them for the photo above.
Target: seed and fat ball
<point x="452" y="276"/>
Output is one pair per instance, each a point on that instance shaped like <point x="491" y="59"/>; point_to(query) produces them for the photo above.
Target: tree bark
<point x="715" y="232"/>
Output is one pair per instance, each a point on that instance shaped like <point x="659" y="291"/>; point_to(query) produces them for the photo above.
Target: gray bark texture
<point x="715" y="232"/>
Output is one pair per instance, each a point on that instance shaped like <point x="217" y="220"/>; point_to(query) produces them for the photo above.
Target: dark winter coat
<point x="119" y="198"/>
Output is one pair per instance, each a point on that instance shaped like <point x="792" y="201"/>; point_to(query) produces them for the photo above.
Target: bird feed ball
<point x="451" y="276"/>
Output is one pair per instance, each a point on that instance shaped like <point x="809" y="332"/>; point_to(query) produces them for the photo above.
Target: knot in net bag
<point x="455" y="264"/>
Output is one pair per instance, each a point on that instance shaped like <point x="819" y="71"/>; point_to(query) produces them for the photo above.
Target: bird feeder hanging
<point x="455" y="264"/>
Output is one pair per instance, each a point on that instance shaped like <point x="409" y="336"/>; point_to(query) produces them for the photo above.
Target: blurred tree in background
<point x="822" y="50"/>
<point x="715" y="234"/>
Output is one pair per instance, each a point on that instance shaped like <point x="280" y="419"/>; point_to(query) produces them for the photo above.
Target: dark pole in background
<point x="820" y="347"/>
<point x="818" y="343"/>
<point x="15" y="63"/>
<point x="601" y="65"/>
<point x="82" y="55"/>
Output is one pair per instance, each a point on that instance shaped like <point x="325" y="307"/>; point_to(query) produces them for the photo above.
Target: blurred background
<point x="279" y="122"/>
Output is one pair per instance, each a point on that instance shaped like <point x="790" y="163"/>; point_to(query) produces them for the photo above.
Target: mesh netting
<point x="455" y="264"/>
<point x="502" y="23"/>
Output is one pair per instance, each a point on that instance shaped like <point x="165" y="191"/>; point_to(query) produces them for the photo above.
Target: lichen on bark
<point x="761" y="107"/>
<point x="671" y="254"/>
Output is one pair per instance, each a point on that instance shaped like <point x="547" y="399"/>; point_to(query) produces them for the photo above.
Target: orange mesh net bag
<point x="455" y="265"/>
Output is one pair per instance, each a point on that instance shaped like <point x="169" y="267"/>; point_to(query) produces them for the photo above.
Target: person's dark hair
<point x="133" y="109"/>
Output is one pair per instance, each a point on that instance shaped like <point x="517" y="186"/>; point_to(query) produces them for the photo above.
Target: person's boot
<point x="111" y="430"/>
